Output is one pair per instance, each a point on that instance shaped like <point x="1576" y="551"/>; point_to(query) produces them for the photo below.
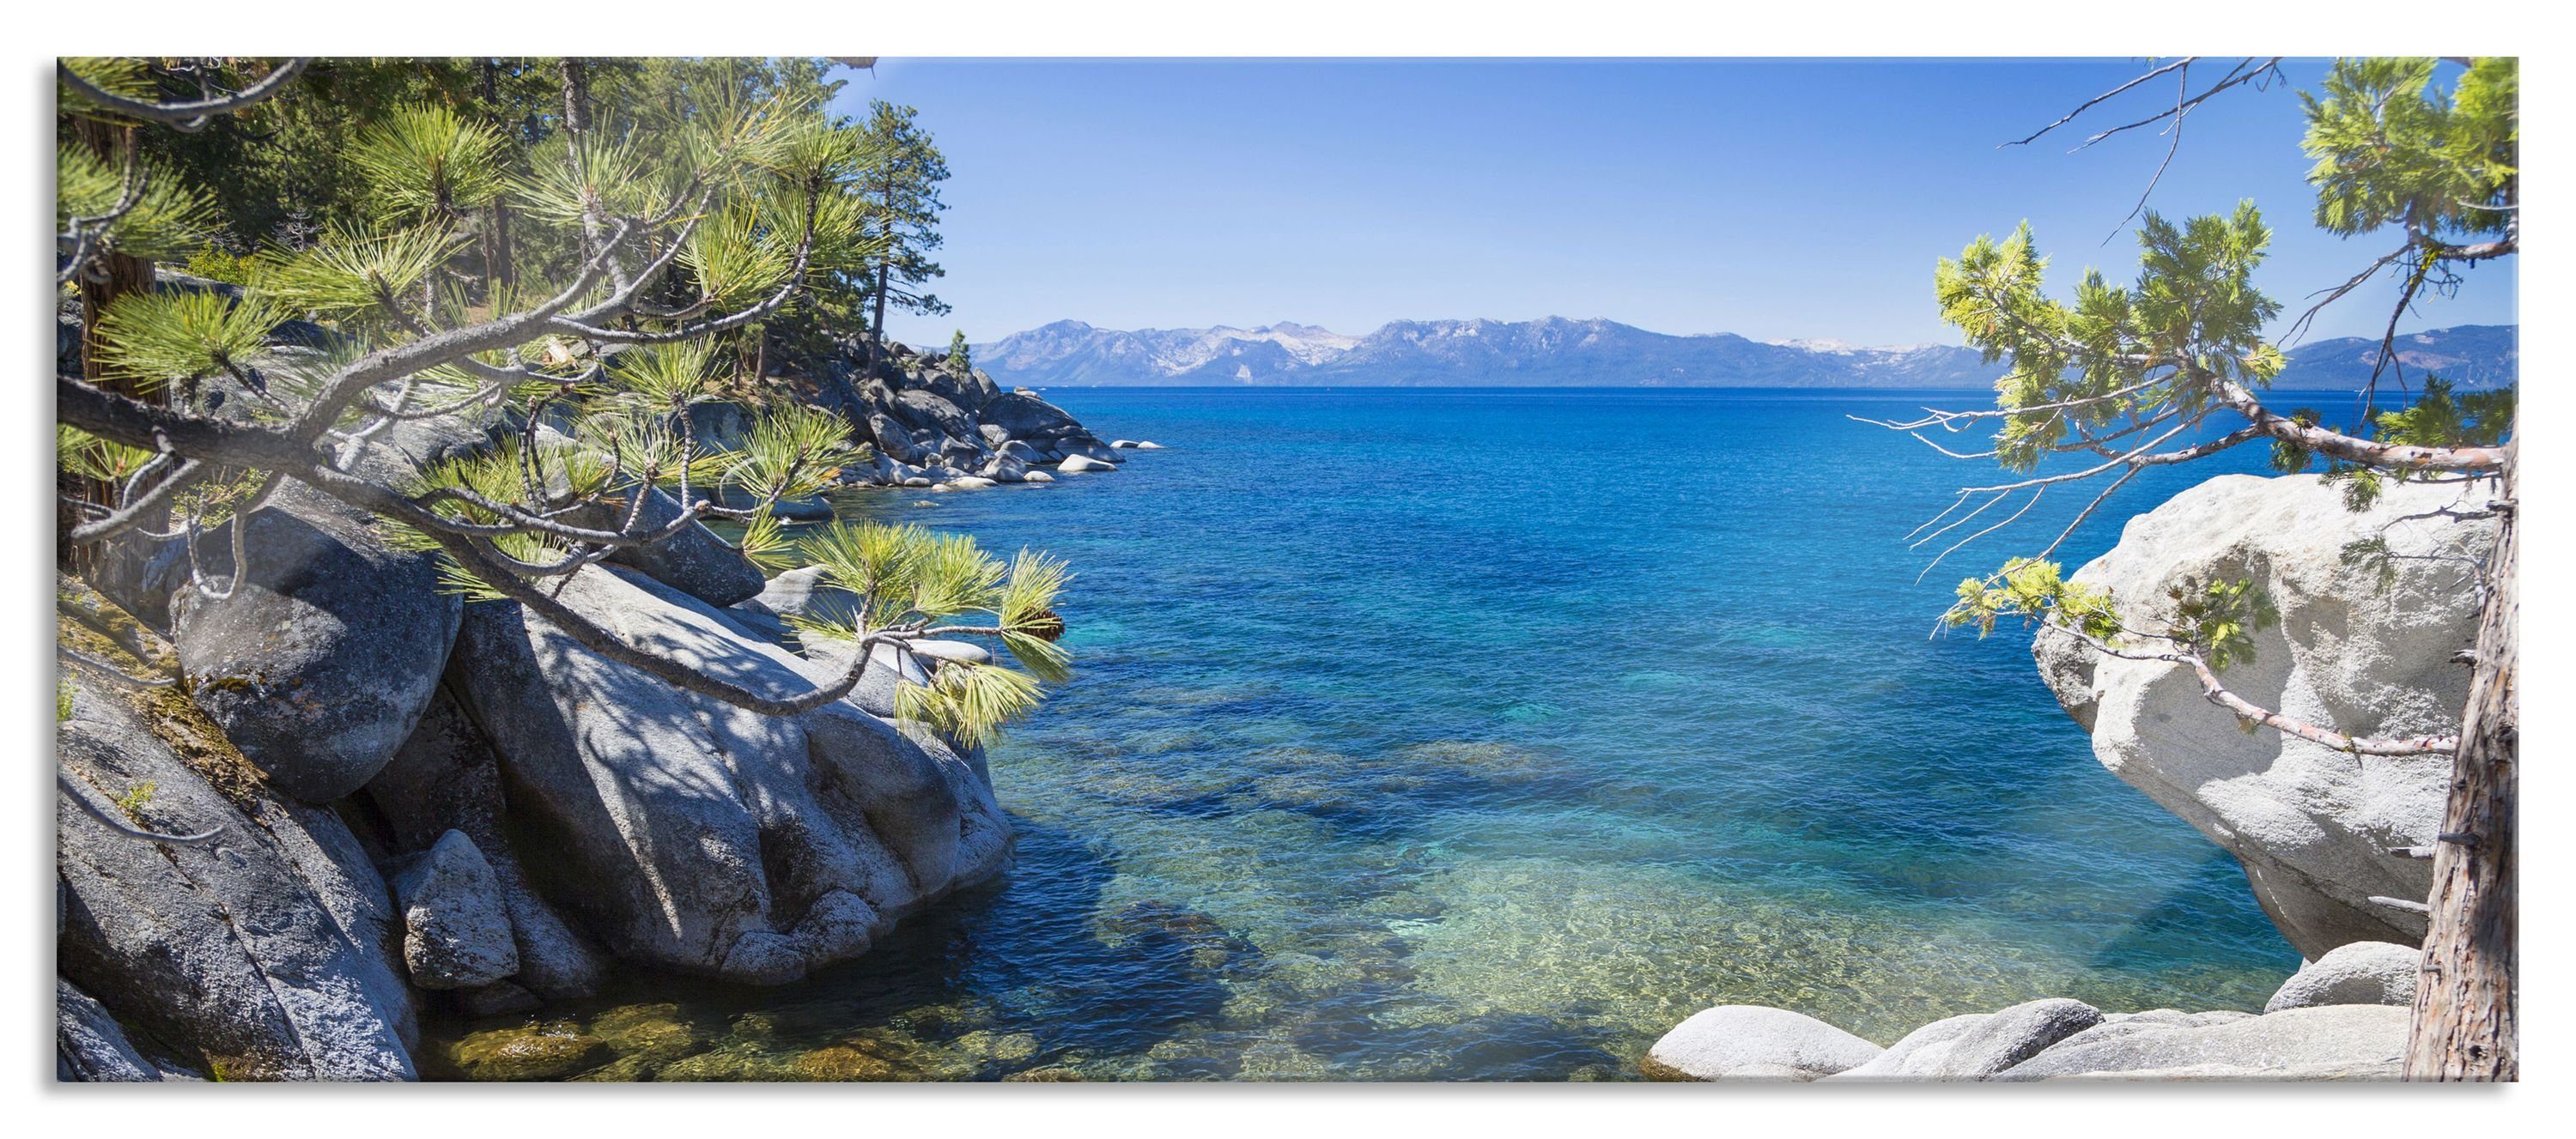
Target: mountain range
<point x="1557" y="352"/>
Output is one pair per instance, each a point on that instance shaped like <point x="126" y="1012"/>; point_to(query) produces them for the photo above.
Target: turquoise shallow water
<point x="1485" y="735"/>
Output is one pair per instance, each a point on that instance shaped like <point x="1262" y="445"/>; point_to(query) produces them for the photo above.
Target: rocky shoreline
<point x="2370" y="618"/>
<point x="413" y="806"/>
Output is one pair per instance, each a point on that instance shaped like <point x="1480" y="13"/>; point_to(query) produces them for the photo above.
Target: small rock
<point x="1037" y="476"/>
<point x="2362" y="973"/>
<point x="457" y="929"/>
<point x="2011" y="1036"/>
<point x="1051" y="1074"/>
<point x="1077" y="464"/>
<point x="1757" y="1040"/>
<point x="1123" y="444"/>
<point x="963" y="651"/>
<point x="841" y="1063"/>
<point x="1148" y="445"/>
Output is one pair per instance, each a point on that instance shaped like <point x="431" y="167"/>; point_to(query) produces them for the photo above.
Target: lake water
<point x="1488" y="734"/>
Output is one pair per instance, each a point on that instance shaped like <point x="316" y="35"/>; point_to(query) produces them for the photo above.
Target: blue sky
<point x="1770" y="198"/>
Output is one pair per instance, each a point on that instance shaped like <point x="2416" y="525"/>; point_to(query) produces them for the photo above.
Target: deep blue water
<point x="1486" y="734"/>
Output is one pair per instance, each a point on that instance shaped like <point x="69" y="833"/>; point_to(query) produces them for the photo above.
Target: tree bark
<point x="118" y="276"/>
<point x="876" y="327"/>
<point x="576" y="85"/>
<point x="2463" y="1027"/>
<point x="497" y="275"/>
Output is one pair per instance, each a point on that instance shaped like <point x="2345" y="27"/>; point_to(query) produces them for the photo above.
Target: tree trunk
<point x="576" y="85"/>
<point x="876" y="327"/>
<point x="117" y="275"/>
<point x="497" y="276"/>
<point x="2463" y="1027"/>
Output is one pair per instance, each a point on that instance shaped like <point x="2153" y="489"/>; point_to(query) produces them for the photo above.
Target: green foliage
<point x="766" y="544"/>
<point x="2372" y="553"/>
<point x="967" y="701"/>
<point x="429" y="163"/>
<point x="135" y="798"/>
<point x="2194" y="301"/>
<point x="498" y="474"/>
<point x="2215" y="620"/>
<point x="2034" y="590"/>
<point x="216" y="500"/>
<point x="89" y="456"/>
<point x="737" y="258"/>
<point x="961" y="360"/>
<point x="216" y="263"/>
<point x="2361" y="485"/>
<point x="793" y="451"/>
<point x="156" y="339"/>
<point x="62" y="701"/>
<point x="908" y="577"/>
<point x="168" y="218"/>
<point x="2438" y="417"/>
<point x="2442" y="418"/>
<point x="2218" y="619"/>
<point x="352" y="274"/>
<point x="2394" y="149"/>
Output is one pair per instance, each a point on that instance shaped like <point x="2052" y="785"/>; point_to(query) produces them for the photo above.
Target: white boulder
<point x="1754" y="1042"/>
<point x="2362" y="973"/>
<point x="2364" y="644"/>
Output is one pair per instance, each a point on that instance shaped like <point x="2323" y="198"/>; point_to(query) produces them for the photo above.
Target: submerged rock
<point x="1754" y="1042"/>
<point x="2362" y="973"/>
<point x="547" y="1051"/>
<point x="2364" y="644"/>
<point x="1077" y="464"/>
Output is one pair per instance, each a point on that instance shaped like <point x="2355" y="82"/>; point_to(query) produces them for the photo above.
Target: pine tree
<point x="902" y="186"/>
<point x="653" y="210"/>
<point x="2119" y="372"/>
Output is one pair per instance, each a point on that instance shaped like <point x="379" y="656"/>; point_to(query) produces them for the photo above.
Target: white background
<point x="1318" y="28"/>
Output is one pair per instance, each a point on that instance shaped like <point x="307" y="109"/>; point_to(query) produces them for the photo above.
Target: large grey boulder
<point x="457" y="928"/>
<point x="926" y="411"/>
<point x="444" y="781"/>
<point x="2338" y="1042"/>
<point x="692" y="835"/>
<point x="320" y="662"/>
<point x="268" y="950"/>
<point x="1754" y="1042"/>
<point x="2363" y="645"/>
<point x="2362" y="973"/>
<point x="1029" y="418"/>
<point x="693" y="561"/>
<point x="89" y="1046"/>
